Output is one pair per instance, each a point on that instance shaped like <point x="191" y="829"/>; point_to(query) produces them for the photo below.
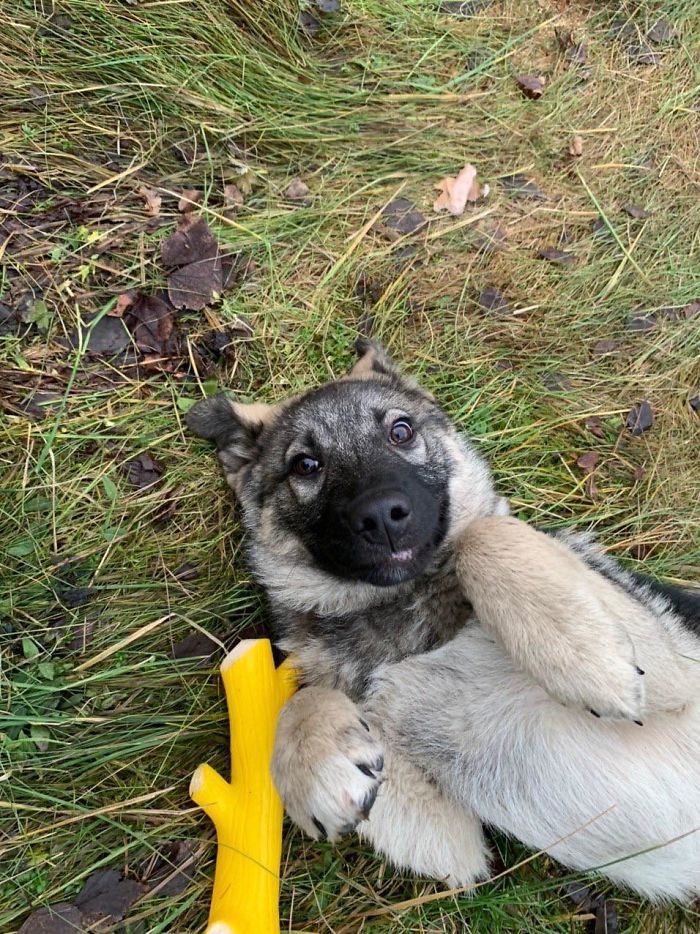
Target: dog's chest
<point x="344" y="652"/>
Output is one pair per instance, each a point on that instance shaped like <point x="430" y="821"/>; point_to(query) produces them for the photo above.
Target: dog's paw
<point x="327" y="764"/>
<point x="604" y="678"/>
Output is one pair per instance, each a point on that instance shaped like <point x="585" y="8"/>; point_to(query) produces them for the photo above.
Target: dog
<point x="459" y="668"/>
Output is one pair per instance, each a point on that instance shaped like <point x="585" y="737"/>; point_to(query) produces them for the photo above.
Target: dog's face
<point x="359" y="481"/>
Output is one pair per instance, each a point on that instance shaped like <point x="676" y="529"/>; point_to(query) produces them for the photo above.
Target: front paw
<point x="606" y="681"/>
<point x="327" y="764"/>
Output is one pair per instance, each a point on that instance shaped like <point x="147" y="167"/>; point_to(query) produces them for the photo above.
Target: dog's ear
<point x="234" y="426"/>
<point x="373" y="361"/>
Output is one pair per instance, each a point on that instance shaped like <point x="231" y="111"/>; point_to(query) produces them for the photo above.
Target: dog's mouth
<point x="397" y="567"/>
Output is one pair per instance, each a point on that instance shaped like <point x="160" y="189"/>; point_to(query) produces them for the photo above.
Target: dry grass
<point x="386" y="99"/>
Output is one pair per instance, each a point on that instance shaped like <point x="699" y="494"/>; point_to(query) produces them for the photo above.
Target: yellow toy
<point x="247" y="813"/>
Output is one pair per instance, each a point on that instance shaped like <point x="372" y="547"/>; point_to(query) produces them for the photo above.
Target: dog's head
<point x="357" y="483"/>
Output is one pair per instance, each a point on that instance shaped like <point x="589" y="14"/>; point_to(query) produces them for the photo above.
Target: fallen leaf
<point x="640" y="418"/>
<point x="638" y="474"/>
<point x="694" y="404"/>
<point x="560" y="257"/>
<point x="493" y="301"/>
<point x="152" y="199"/>
<point x="198" y="278"/>
<point x="634" y="210"/>
<point x="189" y="200"/>
<point x="589" y="485"/>
<point x="402" y="216"/>
<point x="662" y="31"/>
<point x="297" y="190"/>
<point x="233" y="199"/>
<point x="595" y="426"/>
<point x="640" y="321"/>
<point x="456" y="191"/>
<point x="532" y="86"/>
<point x="577" y="53"/>
<point x="643" y="55"/>
<point x="124" y="301"/>
<point x="143" y="471"/>
<point x="606" y="346"/>
<point x="108" y="336"/>
<point x="327" y="6"/>
<point x="576" y="146"/>
<point x="463" y="8"/>
<point x="196" y="645"/>
<point x="308" y="24"/>
<point x="521" y="187"/>
<point x="588" y="461"/>
<point x="557" y="382"/>
<point x="691" y="310"/>
<point x="622" y="29"/>
<point x="62" y="918"/>
<point x="187" y="572"/>
<point x="589" y="902"/>
<point x="175" y="863"/>
<point x="107" y="896"/>
<point x="151" y="322"/>
<point x="491" y="237"/>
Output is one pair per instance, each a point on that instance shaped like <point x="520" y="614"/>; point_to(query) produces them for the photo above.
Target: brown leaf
<point x="638" y="474"/>
<point x="456" y="191"/>
<point x="233" y="198"/>
<point x="199" y="276"/>
<point x="62" y="918"/>
<point x="595" y="426"/>
<point x="605" y="346"/>
<point x="591" y="489"/>
<point x="151" y="321"/>
<point x="308" y="24"/>
<point x="493" y="301"/>
<point x="694" y="404"/>
<point x="532" y="86"/>
<point x="640" y="418"/>
<point x="691" y="310"/>
<point x="143" y="471"/>
<point x="152" y="200"/>
<point x="588" y="461"/>
<point x="176" y="864"/>
<point x="107" y="337"/>
<point x="634" y="210"/>
<point x="603" y="909"/>
<point x="577" y="53"/>
<point x="491" y="237"/>
<point x="463" y="8"/>
<point x="107" y="896"/>
<point x="196" y="645"/>
<point x="402" y="216"/>
<point x="560" y="257"/>
<point x="190" y="198"/>
<point x="640" y="321"/>
<point x="662" y="31"/>
<point x="521" y="187"/>
<point x="557" y="382"/>
<point x="643" y="55"/>
<point x="124" y="301"/>
<point x="576" y="146"/>
<point x="297" y="190"/>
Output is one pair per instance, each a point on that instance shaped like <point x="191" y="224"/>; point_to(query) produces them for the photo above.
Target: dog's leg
<point x="328" y="765"/>
<point x="419" y="829"/>
<point x="585" y="639"/>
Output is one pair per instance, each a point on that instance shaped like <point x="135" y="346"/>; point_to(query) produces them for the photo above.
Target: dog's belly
<point x="590" y="792"/>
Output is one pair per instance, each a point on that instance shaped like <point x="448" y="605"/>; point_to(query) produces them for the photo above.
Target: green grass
<point x="97" y="749"/>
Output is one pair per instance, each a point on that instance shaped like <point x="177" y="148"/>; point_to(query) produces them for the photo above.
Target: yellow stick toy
<point x="247" y="813"/>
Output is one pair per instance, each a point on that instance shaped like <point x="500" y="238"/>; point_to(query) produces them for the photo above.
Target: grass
<point x="101" y="727"/>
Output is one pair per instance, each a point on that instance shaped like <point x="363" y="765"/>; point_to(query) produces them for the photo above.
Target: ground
<point x="123" y="571"/>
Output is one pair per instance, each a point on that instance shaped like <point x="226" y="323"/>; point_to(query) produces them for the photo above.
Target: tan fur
<point x="580" y="636"/>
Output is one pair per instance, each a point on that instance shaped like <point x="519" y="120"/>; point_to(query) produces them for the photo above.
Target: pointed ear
<point x="374" y="362"/>
<point x="233" y="426"/>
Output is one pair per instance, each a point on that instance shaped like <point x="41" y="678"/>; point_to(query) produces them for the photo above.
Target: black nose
<point x="380" y="518"/>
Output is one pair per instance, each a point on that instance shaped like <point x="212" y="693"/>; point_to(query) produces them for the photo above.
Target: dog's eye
<point x="401" y="432"/>
<point x="304" y="466"/>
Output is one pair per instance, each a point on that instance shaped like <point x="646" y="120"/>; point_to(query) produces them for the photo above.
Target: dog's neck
<point x="343" y="649"/>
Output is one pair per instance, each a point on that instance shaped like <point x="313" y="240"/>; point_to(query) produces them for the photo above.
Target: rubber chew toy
<point x="247" y="813"/>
